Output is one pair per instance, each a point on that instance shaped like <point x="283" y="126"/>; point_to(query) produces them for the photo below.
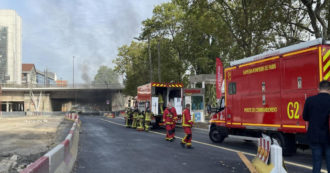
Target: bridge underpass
<point x="61" y="99"/>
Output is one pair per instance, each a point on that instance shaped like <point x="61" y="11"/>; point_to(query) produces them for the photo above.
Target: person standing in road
<point x="187" y="125"/>
<point x="317" y="112"/>
<point x="128" y="117"/>
<point x="147" y="118"/>
<point x="168" y="121"/>
<point x="175" y="119"/>
<point x="135" y="115"/>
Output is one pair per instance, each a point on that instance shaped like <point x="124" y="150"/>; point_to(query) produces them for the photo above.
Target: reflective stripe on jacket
<point x="186" y="119"/>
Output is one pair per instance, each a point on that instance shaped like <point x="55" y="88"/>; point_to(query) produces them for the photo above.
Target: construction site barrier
<point x="269" y="157"/>
<point x="109" y="115"/>
<point x="61" y="158"/>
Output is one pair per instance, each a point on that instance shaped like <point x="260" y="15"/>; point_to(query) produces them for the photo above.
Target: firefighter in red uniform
<point x="187" y="124"/>
<point x="175" y="119"/>
<point x="168" y="120"/>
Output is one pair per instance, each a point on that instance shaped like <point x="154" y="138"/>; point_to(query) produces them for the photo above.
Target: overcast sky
<point x="91" y="30"/>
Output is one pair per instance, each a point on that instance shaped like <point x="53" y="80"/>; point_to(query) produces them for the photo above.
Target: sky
<point x="53" y="31"/>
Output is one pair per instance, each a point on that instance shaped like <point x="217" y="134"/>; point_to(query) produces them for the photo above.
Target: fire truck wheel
<point x="287" y="142"/>
<point x="216" y="136"/>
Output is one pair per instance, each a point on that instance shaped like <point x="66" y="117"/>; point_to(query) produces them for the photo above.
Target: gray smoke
<point x="54" y="31"/>
<point x="89" y="30"/>
<point x="85" y="73"/>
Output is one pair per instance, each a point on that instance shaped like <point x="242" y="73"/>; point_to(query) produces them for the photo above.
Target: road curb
<point x="62" y="157"/>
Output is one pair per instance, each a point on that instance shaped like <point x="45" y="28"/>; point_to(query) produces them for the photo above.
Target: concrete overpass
<point x="56" y="98"/>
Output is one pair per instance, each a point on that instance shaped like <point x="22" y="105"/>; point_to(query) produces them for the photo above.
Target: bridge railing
<point x="22" y="114"/>
<point x="62" y="86"/>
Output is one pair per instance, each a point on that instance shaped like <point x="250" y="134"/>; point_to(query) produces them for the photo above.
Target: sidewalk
<point x="204" y="125"/>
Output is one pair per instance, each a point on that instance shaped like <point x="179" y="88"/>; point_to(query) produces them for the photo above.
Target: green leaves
<point x="105" y="76"/>
<point x="192" y="33"/>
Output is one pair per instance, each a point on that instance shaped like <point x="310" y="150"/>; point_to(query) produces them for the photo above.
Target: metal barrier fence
<point x="12" y="114"/>
<point x="57" y="113"/>
<point x="22" y="114"/>
<point x="119" y="86"/>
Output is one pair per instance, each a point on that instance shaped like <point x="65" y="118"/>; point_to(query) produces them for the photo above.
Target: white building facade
<point x="10" y="47"/>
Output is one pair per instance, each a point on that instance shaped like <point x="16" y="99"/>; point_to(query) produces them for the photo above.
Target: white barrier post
<point x="277" y="159"/>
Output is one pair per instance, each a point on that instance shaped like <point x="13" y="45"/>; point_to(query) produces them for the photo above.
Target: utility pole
<point x="73" y="72"/>
<point x="75" y="93"/>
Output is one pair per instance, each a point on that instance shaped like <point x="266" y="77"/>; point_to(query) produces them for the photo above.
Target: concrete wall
<point x="118" y="102"/>
<point x="45" y="104"/>
<point x="12" y="96"/>
<point x="66" y="107"/>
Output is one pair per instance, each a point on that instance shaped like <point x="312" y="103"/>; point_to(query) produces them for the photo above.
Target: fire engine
<point x="158" y="95"/>
<point x="266" y="93"/>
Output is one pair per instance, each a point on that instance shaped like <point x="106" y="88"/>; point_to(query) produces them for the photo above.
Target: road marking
<point x="247" y="162"/>
<point x="113" y="122"/>
<point x="224" y="148"/>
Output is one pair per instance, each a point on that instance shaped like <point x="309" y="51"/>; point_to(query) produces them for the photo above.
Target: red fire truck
<point x="159" y="95"/>
<point x="266" y="93"/>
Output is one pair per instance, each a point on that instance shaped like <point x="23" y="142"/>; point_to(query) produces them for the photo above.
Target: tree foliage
<point x="187" y="35"/>
<point x="105" y="76"/>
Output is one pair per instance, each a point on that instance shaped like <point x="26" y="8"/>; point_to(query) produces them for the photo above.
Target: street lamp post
<point x="73" y="72"/>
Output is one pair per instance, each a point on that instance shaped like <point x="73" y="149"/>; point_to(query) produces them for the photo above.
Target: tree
<point x="132" y="62"/>
<point x="166" y="23"/>
<point x="185" y="36"/>
<point x="105" y="76"/>
<point x="318" y="13"/>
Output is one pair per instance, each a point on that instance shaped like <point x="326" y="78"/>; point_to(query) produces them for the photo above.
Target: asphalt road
<point x="107" y="146"/>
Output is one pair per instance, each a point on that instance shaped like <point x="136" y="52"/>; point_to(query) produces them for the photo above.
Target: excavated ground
<point x="24" y="139"/>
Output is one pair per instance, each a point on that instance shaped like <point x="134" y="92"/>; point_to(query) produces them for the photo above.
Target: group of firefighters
<point x="141" y="121"/>
<point x="138" y="120"/>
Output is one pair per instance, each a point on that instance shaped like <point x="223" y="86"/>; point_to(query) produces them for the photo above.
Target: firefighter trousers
<point x="187" y="139"/>
<point x="146" y="125"/>
<point x="147" y="121"/>
<point x="140" y="123"/>
<point x="127" y="122"/>
<point x="134" y="122"/>
<point x="169" y="131"/>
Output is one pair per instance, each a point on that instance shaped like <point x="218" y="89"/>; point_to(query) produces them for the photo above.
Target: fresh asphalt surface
<point x="107" y="146"/>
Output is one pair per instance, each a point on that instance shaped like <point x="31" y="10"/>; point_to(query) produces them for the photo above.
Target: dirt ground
<point x="25" y="139"/>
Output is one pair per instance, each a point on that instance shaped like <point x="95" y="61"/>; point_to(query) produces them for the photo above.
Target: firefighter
<point x="168" y="121"/>
<point x="175" y="118"/>
<point x="128" y="117"/>
<point x="140" y="120"/>
<point x="148" y="115"/>
<point x="135" y="115"/>
<point x="187" y="125"/>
